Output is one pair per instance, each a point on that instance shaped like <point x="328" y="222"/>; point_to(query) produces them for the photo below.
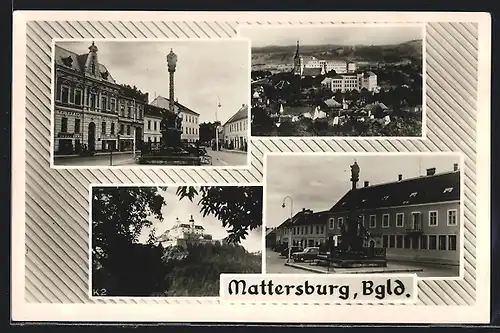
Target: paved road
<point x="219" y="158"/>
<point x="275" y="264"/>
<point x="96" y="160"/>
<point x="226" y="158"/>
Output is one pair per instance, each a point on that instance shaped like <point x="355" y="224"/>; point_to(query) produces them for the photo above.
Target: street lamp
<point x="217" y="126"/>
<point x="289" y="229"/>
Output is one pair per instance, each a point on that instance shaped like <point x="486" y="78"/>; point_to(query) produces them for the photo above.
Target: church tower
<point x="298" y="64"/>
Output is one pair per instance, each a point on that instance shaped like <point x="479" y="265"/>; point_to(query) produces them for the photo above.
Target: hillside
<point x="371" y="53"/>
<point x="148" y="270"/>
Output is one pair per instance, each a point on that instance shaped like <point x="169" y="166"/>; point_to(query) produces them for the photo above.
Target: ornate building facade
<point x="91" y="110"/>
<point x="311" y="66"/>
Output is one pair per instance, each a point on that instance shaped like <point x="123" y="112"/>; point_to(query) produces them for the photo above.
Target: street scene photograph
<point x="126" y="103"/>
<point x="173" y="241"/>
<point x="337" y="80"/>
<point x="360" y="213"/>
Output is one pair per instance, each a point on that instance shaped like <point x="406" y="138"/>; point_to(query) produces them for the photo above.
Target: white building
<point x="182" y="232"/>
<point x="190" y="123"/>
<point x="357" y="82"/>
<point x="152" y="121"/>
<point x="235" y="130"/>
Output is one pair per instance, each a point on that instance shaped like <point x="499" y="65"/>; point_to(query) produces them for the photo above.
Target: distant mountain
<point x="373" y="53"/>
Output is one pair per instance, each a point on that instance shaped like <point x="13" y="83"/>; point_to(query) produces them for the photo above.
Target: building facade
<point x="235" y="130"/>
<point x="152" y="120"/>
<point x="90" y="107"/>
<point x="415" y="219"/>
<point x="183" y="232"/>
<point x="311" y="66"/>
<point x="190" y="119"/>
<point x="307" y="229"/>
<point x="351" y="82"/>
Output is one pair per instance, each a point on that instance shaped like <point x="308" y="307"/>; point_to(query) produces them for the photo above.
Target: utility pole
<point x="217" y="126"/>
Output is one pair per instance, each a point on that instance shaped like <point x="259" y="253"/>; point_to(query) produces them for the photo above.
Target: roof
<point x="311" y="71"/>
<point x="331" y="102"/>
<point x="413" y="191"/>
<point x="76" y="62"/>
<point x="297" y="110"/>
<point x="164" y="102"/>
<point x="242" y="113"/>
<point x="306" y="217"/>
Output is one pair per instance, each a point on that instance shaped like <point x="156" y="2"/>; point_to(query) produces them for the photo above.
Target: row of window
<point x="77" y="124"/>
<point x="238" y="126"/>
<point x="415" y="220"/>
<point x="191" y="119"/>
<point x="422" y="242"/>
<point x="189" y="130"/>
<point x="308" y="230"/>
<point x="74" y="96"/>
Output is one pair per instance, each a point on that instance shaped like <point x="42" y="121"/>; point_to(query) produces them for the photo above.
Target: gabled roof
<point x="413" y="191"/>
<point x="242" y="113"/>
<point x="164" y="102"/>
<point x="297" y="110"/>
<point x="331" y="102"/>
<point x="77" y="63"/>
<point x="311" y="71"/>
<point x="306" y="217"/>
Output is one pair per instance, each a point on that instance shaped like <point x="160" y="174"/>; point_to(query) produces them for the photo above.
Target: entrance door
<point x="91" y="139"/>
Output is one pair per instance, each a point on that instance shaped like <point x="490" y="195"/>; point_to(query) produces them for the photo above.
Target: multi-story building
<point x="152" y="120"/>
<point x="190" y="124"/>
<point x="235" y="130"/>
<point x="311" y="66"/>
<point x="415" y="219"/>
<point x="308" y="228"/>
<point x="183" y="232"/>
<point x="90" y="107"/>
<point x="343" y="83"/>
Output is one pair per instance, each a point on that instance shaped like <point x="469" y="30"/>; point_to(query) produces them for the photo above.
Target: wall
<point x="150" y="133"/>
<point x="410" y="254"/>
<point x="190" y="127"/>
<point x="236" y="132"/>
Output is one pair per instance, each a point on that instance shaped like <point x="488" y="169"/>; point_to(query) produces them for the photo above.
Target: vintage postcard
<point x="343" y="80"/>
<point x="254" y="167"/>
<point x="134" y="103"/>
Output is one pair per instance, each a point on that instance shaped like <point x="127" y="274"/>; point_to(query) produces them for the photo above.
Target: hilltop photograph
<point x="345" y="80"/>
<point x="173" y="241"/>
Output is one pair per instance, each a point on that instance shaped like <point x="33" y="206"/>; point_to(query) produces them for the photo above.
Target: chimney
<point x="431" y="171"/>
<point x="455" y="167"/>
<point x="367" y="183"/>
<point x="303" y="209"/>
<point x="400" y="177"/>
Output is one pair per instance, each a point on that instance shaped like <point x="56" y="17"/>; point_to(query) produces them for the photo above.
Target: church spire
<point x="297" y="51"/>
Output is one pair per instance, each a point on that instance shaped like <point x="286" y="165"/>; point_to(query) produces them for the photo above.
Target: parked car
<point x="309" y="253"/>
<point x="284" y="253"/>
<point x="279" y="247"/>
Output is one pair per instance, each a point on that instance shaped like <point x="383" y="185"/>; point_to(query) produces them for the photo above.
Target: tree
<point x="239" y="208"/>
<point x="119" y="215"/>
<point x="207" y="131"/>
<point x="262" y="123"/>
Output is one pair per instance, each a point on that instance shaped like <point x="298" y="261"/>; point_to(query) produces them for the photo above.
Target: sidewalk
<point x="234" y="151"/>
<point x="97" y="154"/>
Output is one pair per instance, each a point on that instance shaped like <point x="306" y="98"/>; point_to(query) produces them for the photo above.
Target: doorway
<point x="91" y="139"/>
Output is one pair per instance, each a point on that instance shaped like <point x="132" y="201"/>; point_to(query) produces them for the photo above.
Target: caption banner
<point x="359" y="288"/>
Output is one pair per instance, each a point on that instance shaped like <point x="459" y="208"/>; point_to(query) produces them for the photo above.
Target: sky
<point x="338" y="35"/>
<point x="205" y="70"/>
<point x="183" y="209"/>
<point x="317" y="182"/>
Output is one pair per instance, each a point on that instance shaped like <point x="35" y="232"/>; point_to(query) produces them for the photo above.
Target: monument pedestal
<point x="171" y="152"/>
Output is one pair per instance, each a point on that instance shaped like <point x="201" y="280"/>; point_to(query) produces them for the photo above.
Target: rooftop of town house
<point x="431" y="188"/>
<point x="242" y="113"/>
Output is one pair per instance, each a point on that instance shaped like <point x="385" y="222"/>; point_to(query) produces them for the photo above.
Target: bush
<point x="148" y="270"/>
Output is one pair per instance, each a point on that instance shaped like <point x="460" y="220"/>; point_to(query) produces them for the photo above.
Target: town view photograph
<point x="173" y="241"/>
<point x="124" y="103"/>
<point x="358" y="213"/>
<point x="342" y="80"/>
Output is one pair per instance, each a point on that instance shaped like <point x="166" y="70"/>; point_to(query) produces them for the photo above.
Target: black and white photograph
<point x="135" y="103"/>
<point x="364" y="213"/>
<point x="361" y="80"/>
<point x="154" y="241"/>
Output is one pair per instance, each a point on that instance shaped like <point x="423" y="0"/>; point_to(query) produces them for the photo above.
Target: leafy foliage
<point x="239" y="208"/>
